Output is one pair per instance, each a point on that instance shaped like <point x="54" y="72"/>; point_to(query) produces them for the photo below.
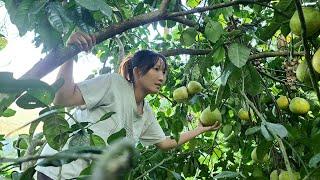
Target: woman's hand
<point x="214" y="127"/>
<point x="83" y="41"/>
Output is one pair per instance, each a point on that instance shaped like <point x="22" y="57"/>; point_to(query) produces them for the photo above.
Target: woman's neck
<point x="139" y="94"/>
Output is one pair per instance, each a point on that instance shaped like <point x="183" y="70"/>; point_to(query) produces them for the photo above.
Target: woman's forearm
<point x="68" y="88"/>
<point x="184" y="137"/>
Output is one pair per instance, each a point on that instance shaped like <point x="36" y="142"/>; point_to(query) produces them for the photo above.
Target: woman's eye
<point x="157" y="69"/>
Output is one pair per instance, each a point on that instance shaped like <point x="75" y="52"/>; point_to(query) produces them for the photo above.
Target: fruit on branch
<point x="283" y="102"/>
<point x="254" y="156"/>
<point x="194" y="87"/>
<point x="274" y="175"/>
<point x="299" y="106"/>
<point x="208" y="117"/>
<point x="284" y="175"/>
<point x="243" y="114"/>
<point x="180" y="94"/>
<point x="302" y="73"/>
<point x="312" y="21"/>
<point x="316" y="61"/>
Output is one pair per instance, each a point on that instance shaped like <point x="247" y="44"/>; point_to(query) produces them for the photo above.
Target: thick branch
<point x="176" y="52"/>
<point x="209" y="8"/>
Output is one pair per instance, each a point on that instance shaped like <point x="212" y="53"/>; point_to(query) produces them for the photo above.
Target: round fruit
<point x="243" y="114"/>
<point x="180" y="94"/>
<point x="194" y="87"/>
<point x="302" y="72"/>
<point x="3" y="42"/>
<point x="283" y="102"/>
<point x="254" y="156"/>
<point x="316" y="61"/>
<point x="299" y="105"/>
<point x="284" y="175"/>
<point x="274" y="175"/>
<point x="312" y="20"/>
<point x="208" y="118"/>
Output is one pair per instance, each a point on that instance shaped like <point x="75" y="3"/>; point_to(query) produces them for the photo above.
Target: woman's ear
<point x="136" y="73"/>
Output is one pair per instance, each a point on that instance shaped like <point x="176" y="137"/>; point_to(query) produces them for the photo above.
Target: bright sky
<point x="20" y="54"/>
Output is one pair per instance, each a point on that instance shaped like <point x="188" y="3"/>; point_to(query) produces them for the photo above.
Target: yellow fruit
<point x="299" y="105"/>
<point x="254" y="156"/>
<point x="274" y="175"/>
<point x="180" y="94"/>
<point x="283" y="102"/>
<point x="312" y="19"/>
<point x="3" y="42"/>
<point x="316" y="61"/>
<point x="194" y="87"/>
<point x="243" y="114"/>
<point x="284" y="175"/>
<point x="208" y="118"/>
<point x="302" y="73"/>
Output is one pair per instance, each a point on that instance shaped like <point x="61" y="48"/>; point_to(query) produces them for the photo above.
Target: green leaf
<point x="226" y="174"/>
<point x="79" y="139"/>
<point x="118" y="135"/>
<point x="226" y="73"/>
<point x="193" y="3"/>
<point x="313" y="163"/>
<point x="277" y="129"/>
<point x="238" y="54"/>
<point x="55" y="16"/>
<point x="96" y="140"/>
<point x="3" y="43"/>
<point x="266" y="33"/>
<point x="265" y="133"/>
<point x="27" y="101"/>
<point x="9" y="112"/>
<point x="252" y="130"/>
<point x="95" y="5"/>
<point x="213" y="31"/>
<point x="218" y="55"/>
<point x="55" y="130"/>
<point x="106" y="116"/>
<point x="28" y="174"/>
<point x="188" y="36"/>
<point x="253" y="81"/>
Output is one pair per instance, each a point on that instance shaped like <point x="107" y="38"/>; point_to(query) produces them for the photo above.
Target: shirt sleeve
<point x="152" y="132"/>
<point x="95" y="90"/>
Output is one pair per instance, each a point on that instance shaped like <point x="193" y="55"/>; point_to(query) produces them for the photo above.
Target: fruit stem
<point x="312" y="74"/>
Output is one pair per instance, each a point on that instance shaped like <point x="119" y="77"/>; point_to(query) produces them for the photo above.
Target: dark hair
<point x="144" y="60"/>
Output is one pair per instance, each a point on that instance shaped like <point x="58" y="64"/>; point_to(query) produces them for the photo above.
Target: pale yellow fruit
<point x="274" y="175"/>
<point x="299" y="105"/>
<point x="194" y="87"/>
<point x="180" y="94"/>
<point x="243" y="114"/>
<point x="208" y="118"/>
<point x="284" y="175"/>
<point x="302" y="73"/>
<point x="316" y="61"/>
<point x="312" y="20"/>
<point x="254" y="156"/>
<point x="283" y="102"/>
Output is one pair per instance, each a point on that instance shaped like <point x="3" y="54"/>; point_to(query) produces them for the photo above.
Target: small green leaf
<point x="9" y="112"/>
<point x="193" y="3"/>
<point x="226" y="174"/>
<point x="106" y="116"/>
<point x="238" y="54"/>
<point x="118" y="135"/>
<point x="95" y="5"/>
<point x="252" y="130"/>
<point x="3" y="42"/>
<point x="265" y="133"/>
<point x="79" y="139"/>
<point x="96" y="140"/>
<point x="218" y="55"/>
<point x="55" y="130"/>
<point x="188" y="36"/>
<point x="277" y="129"/>
<point x="314" y="161"/>
<point x="213" y="31"/>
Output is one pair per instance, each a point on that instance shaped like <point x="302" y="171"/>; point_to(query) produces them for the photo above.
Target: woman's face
<point x="152" y="81"/>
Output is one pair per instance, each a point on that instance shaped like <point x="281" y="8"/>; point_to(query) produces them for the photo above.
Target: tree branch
<point x="209" y="8"/>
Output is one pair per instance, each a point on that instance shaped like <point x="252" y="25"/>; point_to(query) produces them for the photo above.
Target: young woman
<point x="124" y="93"/>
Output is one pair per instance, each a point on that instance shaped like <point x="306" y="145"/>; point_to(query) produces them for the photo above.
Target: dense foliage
<point x="242" y="53"/>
